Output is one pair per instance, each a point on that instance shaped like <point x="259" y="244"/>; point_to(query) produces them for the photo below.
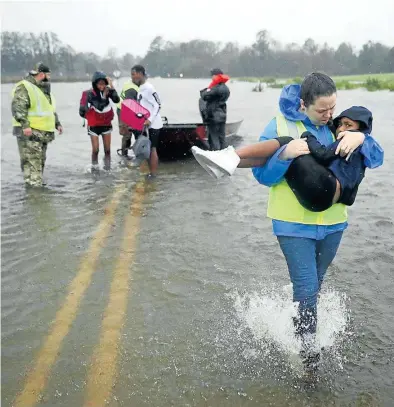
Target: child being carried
<point x="319" y="179"/>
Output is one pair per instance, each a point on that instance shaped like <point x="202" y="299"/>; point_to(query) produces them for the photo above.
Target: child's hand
<point x="350" y="140"/>
<point x="294" y="149"/>
<point x="109" y="80"/>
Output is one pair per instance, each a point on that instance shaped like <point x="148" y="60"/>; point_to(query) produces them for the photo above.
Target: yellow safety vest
<point x="128" y="85"/>
<point x="41" y="113"/>
<point x="283" y="204"/>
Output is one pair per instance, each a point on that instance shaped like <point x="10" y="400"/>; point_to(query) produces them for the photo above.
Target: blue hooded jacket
<point x="273" y="171"/>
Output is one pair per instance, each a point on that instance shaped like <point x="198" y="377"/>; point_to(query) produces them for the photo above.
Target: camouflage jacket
<point x="21" y="104"/>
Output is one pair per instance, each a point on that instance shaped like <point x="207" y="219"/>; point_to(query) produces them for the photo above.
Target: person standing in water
<point x="97" y="110"/>
<point x="149" y="99"/>
<point x="216" y="96"/>
<point x="34" y="121"/>
<point x="129" y="91"/>
<point x="308" y="240"/>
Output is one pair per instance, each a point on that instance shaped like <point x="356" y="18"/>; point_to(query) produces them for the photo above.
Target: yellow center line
<point x="103" y="369"/>
<point x="38" y="376"/>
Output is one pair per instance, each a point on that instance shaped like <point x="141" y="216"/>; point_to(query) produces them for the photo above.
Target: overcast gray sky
<point x="130" y="25"/>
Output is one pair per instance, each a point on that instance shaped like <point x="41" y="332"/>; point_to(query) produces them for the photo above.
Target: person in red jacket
<point x="215" y="97"/>
<point x="96" y="108"/>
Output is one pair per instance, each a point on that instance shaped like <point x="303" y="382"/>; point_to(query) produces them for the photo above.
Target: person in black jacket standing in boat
<point x="216" y="96"/>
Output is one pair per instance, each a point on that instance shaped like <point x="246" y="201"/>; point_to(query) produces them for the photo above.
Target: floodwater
<point x="174" y="292"/>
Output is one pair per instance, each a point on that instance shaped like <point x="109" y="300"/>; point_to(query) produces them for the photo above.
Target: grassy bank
<point x="363" y="78"/>
<point x="372" y="82"/>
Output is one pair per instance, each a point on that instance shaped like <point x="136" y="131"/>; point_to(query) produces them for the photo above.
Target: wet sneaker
<point x="217" y="163"/>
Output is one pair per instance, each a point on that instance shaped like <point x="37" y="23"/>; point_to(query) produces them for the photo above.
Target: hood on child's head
<point x="97" y="76"/>
<point x="359" y="114"/>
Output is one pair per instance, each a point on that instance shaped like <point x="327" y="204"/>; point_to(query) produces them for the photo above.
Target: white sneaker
<point x="227" y="159"/>
<point x="223" y="161"/>
<point x="212" y="170"/>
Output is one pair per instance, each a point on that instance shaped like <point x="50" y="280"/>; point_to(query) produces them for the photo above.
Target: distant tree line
<point x="21" y="51"/>
<point x="193" y="59"/>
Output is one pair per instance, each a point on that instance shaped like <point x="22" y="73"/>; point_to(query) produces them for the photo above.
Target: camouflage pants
<point x="33" y="155"/>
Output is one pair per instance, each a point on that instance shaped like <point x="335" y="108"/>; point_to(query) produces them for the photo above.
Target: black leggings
<point x="313" y="184"/>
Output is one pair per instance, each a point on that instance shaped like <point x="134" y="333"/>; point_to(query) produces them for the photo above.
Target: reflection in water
<point x="40" y="208"/>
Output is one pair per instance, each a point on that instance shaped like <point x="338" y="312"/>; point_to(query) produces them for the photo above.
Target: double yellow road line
<point x="103" y="369"/>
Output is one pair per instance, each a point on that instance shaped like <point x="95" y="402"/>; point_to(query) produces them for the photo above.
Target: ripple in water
<point x="267" y="315"/>
<point x="117" y="166"/>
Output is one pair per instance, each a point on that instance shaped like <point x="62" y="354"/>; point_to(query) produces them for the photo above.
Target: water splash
<point x="92" y="168"/>
<point x="267" y="315"/>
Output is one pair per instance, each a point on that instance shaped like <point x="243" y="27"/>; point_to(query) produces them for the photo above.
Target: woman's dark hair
<point x="316" y="85"/>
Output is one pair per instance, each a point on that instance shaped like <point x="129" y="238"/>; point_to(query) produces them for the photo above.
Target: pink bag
<point x="133" y="114"/>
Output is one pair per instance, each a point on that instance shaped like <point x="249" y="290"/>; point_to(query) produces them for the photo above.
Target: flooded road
<point x="120" y="292"/>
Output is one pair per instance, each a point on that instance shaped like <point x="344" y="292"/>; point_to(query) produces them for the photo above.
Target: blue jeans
<point x="308" y="260"/>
